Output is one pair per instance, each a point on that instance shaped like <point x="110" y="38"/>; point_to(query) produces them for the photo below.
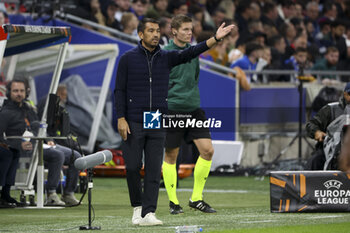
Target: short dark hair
<point x="16" y="80"/>
<point x="180" y="19"/>
<point x="324" y="21"/>
<point x="268" y="6"/>
<point x="174" y="5"/>
<point x="283" y="28"/>
<point x="142" y="1"/>
<point x="272" y="41"/>
<point x="296" y="21"/>
<point x="300" y="50"/>
<point x="338" y="22"/>
<point x="243" y="6"/>
<point x="328" y="5"/>
<point x="163" y="22"/>
<point x="332" y="49"/>
<point x="204" y="35"/>
<point x="194" y="9"/>
<point x="251" y="47"/>
<point x="142" y="24"/>
<point x="253" y="22"/>
<point x="219" y="10"/>
<point x="287" y="3"/>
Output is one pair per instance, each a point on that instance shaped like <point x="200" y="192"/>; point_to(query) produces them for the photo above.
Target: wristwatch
<point x="216" y="39"/>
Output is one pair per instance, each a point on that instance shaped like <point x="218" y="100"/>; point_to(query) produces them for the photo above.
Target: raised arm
<point x="220" y="34"/>
<point x="183" y="56"/>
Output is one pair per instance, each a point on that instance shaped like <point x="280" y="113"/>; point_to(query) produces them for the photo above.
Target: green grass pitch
<point x="243" y="205"/>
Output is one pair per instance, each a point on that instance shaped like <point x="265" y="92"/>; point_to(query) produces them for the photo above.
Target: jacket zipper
<point x="149" y="63"/>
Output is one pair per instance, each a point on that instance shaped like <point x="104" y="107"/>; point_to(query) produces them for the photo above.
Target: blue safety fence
<point x="271" y="105"/>
<point x="218" y="99"/>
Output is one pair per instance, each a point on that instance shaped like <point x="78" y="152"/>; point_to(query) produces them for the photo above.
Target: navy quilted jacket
<point x="143" y="77"/>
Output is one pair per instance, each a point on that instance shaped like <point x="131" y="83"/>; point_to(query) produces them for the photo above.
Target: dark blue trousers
<point x="8" y="166"/>
<point x="151" y="142"/>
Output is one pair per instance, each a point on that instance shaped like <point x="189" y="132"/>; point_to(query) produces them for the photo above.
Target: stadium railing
<point x="340" y="75"/>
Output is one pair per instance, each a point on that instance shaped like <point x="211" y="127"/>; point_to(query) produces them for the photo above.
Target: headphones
<point x="9" y="84"/>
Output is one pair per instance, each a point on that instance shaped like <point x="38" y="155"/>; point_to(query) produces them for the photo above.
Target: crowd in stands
<point x="272" y="34"/>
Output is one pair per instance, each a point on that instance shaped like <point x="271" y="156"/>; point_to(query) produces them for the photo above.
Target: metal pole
<point x="55" y="80"/>
<point x="300" y="118"/>
<point x="89" y="195"/>
<point x="40" y="176"/>
<point x="2" y="51"/>
<point x="42" y="130"/>
<point x="101" y="104"/>
<point x="90" y="186"/>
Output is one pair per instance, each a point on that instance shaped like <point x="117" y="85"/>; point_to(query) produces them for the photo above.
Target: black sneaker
<point x="202" y="206"/>
<point x="14" y="202"/>
<point x="175" y="209"/>
<point x="5" y="204"/>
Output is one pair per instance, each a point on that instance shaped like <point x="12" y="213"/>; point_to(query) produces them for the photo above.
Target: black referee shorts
<point x="175" y="134"/>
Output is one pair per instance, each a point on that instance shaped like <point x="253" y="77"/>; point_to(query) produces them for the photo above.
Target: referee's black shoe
<point x="202" y="206"/>
<point x="175" y="209"/>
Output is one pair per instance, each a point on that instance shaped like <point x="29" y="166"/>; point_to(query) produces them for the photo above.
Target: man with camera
<point x="316" y="129"/>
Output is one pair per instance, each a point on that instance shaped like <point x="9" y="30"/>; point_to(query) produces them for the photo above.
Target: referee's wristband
<point x="216" y="39"/>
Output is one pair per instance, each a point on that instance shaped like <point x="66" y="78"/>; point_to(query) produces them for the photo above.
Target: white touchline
<point x="327" y="216"/>
<point x="211" y="190"/>
<point x="259" y="221"/>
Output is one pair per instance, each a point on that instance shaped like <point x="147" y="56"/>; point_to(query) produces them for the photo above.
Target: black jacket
<point x="12" y="122"/>
<point x="143" y="78"/>
<point x="325" y="116"/>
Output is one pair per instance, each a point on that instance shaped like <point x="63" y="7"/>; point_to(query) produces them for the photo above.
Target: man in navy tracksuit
<point x="142" y="85"/>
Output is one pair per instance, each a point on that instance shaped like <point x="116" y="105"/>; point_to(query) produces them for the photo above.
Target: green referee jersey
<point x="183" y="95"/>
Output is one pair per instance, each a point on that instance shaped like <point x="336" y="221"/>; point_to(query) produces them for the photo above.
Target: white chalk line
<point x="327" y="216"/>
<point x="260" y="221"/>
<point x="210" y="190"/>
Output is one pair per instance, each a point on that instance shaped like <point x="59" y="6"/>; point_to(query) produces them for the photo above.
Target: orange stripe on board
<point x="294" y="179"/>
<point x="287" y="205"/>
<point x="281" y="201"/>
<point x="302" y="208"/>
<point x="302" y="185"/>
<point x="335" y="174"/>
<point x="348" y="175"/>
<point x="277" y="182"/>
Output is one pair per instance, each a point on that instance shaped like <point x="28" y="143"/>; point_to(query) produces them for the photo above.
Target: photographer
<point x="317" y="127"/>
